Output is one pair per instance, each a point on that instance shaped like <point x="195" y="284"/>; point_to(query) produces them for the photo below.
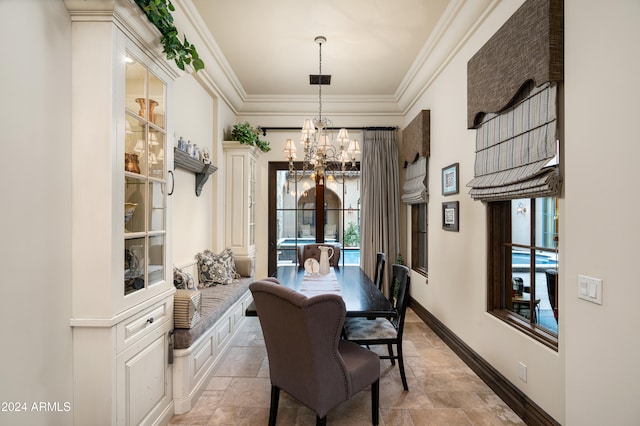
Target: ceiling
<point x="375" y="49"/>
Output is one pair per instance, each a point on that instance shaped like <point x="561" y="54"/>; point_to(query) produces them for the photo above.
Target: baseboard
<point x="519" y="402"/>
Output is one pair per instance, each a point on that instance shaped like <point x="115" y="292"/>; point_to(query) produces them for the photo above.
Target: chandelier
<point x="321" y="158"/>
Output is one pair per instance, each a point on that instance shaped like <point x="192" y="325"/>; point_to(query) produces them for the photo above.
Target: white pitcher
<point x="324" y="258"/>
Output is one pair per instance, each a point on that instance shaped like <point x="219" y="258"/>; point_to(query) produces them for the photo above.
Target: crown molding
<point x="458" y="23"/>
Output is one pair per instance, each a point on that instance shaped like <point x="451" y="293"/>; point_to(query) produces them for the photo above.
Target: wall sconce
<point x="521" y="209"/>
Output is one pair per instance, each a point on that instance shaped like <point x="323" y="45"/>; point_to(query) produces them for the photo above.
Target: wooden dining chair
<point x="307" y="357"/>
<point x="385" y="331"/>
<point x="381" y="259"/>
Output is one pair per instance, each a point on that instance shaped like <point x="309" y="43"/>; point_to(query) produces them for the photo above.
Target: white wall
<point x="602" y="148"/>
<point x="456" y="292"/>
<point x="193" y="216"/>
<point x="592" y="379"/>
<point x="35" y="182"/>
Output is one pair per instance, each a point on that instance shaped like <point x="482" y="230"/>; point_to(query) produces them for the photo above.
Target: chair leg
<point x="391" y="357"/>
<point x="273" y="411"/>
<point x="321" y="421"/>
<point x="375" y="402"/>
<point x="401" y="367"/>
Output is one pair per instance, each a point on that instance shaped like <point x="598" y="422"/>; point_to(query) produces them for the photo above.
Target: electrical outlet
<point x="522" y="372"/>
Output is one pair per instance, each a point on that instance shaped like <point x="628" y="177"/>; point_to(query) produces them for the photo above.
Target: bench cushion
<point x="214" y="303"/>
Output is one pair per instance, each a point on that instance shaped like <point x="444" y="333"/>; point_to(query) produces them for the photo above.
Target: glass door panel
<point x="156" y="259"/>
<point x="296" y="216"/>
<point x="145" y="198"/>
<point x="135" y="204"/>
<point x="134" y="265"/>
<point x="156" y="101"/>
<point x="157" y="212"/>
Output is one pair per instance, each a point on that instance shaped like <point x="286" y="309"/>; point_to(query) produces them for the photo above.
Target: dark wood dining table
<point x="361" y="296"/>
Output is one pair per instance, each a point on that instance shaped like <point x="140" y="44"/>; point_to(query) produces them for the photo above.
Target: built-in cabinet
<point x="122" y="301"/>
<point x="240" y="198"/>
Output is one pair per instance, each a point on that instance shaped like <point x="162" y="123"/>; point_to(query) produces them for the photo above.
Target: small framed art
<point x="450" y="179"/>
<point x="450" y="216"/>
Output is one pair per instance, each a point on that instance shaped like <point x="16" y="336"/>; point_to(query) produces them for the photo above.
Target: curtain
<point x="514" y="147"/>
<point x="379" y="207"/>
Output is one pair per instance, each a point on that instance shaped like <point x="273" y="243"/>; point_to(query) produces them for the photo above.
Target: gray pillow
<point x="214" y="269"/>
<point x="183" y="280"/>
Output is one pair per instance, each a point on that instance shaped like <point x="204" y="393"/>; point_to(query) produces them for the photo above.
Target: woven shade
<point x="528" y="47"/>
<point x="513" y="148"/>
<point x="414" y="190"/>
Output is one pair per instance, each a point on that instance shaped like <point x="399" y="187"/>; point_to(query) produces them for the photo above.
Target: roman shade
<point x="514" y="147"/>
<point x="414" y="190"/>
<point x="528" y="47"/>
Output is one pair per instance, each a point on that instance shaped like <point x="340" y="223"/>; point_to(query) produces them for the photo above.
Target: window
<point x="304" y="212"/>
<point x="419" y="238"/>
<point x="523" y="265"/>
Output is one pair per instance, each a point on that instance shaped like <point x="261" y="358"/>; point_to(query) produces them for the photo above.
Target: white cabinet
<point x="143" y="375"/>
<point x="240" y="186"/>
<point x="122" y="301"/>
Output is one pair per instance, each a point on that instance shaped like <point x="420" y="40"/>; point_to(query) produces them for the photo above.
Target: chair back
<point x="552" y="284"/>
<point x="302" y="337"/>
<point x="312" y="250"/>
<point x="381" y="259"/>
<point x="400" y="280"/>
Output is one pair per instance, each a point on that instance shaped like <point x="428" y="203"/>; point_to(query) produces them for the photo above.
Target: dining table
<point x="361" y="296"/>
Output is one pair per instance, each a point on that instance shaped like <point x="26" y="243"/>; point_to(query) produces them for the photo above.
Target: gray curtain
<point x="380" y="230"/>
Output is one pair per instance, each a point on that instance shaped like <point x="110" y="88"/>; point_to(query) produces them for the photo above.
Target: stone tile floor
<point x="443" y="391"/>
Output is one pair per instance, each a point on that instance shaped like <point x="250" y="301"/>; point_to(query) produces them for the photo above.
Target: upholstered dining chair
<point x="385" y="331"/>
<point x="307" y="357"/>
<point x="381" y="259"/>
<point x="312" y="250"/>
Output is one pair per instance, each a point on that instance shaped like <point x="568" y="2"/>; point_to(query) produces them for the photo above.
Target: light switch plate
<point x="590" y="289"/>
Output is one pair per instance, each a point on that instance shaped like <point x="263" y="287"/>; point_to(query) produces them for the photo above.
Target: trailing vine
<point x="182" y="52"/>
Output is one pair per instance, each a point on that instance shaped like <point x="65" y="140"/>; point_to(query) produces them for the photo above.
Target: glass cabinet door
<point x="145" y="203"/>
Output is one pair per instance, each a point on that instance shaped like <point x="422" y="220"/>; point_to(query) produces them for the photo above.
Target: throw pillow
<point x="216" y="269"/>
<point x="183" y="280"/>
<point x="227" y="254"/>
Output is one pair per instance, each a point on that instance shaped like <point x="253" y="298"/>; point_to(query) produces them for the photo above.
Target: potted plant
<point x="246" y="134"/>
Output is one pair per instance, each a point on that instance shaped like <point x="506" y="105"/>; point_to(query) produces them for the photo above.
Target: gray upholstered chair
<point x="307" y="358"/>
<point x="385" y="331"/>
<point x="381" y="259"/>
<point x="311" y="250"/>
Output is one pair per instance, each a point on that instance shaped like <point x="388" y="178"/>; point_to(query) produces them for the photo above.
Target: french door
<point x="304" y="212"/>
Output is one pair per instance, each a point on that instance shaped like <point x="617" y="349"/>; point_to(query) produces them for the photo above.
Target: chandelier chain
<point x="321" y="158"/>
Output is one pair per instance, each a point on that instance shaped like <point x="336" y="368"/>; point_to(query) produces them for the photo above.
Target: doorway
<point x="305" y="212"/>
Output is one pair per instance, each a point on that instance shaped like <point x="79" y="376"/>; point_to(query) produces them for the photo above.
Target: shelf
<point x="202" y="171"/>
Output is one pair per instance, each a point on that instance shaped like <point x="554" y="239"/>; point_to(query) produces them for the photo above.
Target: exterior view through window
<point x="533" y="257"/>
<point x="304" y="212"/>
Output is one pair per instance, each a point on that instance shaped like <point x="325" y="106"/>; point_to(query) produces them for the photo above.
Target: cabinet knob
<point x="150" y="320"/>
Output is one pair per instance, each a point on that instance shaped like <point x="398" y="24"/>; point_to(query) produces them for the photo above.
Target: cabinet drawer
<point x="143" y="323"/>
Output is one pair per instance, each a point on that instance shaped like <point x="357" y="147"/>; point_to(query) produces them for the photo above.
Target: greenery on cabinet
<point x="182" y="52"/>
<point x="246" y="134"/>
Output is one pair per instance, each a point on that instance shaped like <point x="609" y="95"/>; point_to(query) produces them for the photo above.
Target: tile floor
<point x="442" y="389"/>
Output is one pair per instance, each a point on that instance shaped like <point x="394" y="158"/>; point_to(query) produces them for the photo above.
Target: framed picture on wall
<point x="450" y="216"/>
<point x="450" y="179"/>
